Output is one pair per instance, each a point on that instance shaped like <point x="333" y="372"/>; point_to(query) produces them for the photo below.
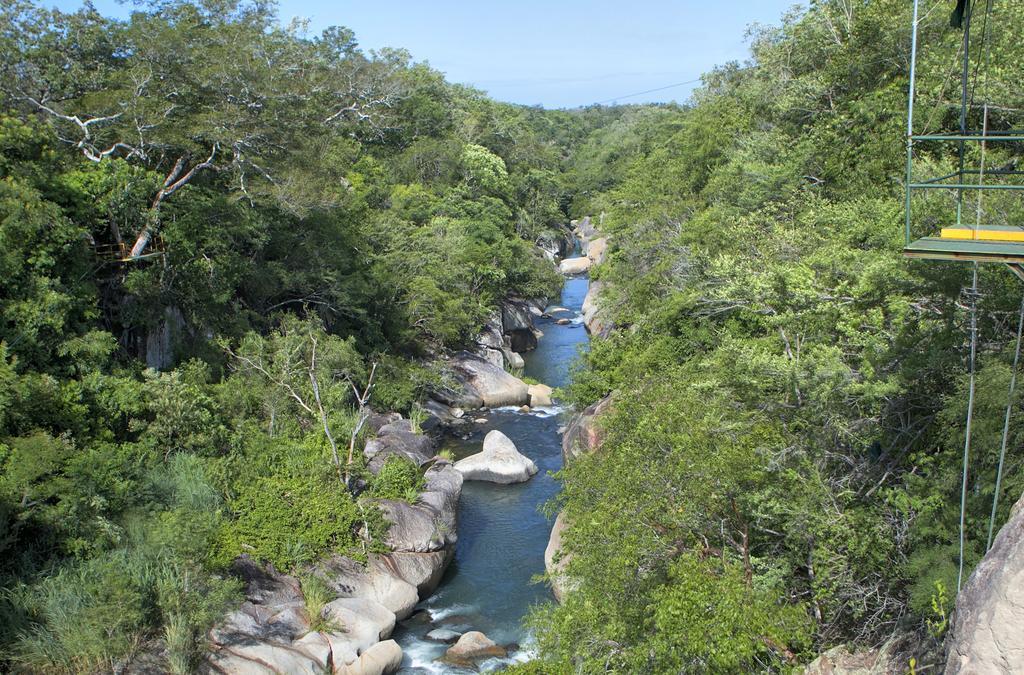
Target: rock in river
<point x="540" y="395"/>
<point x="499" y="462"/>
<point x="443" y="635"/>
<point x="487" y="382"/>
<point x="471" y="647"/>
<point x="574" y="265"/>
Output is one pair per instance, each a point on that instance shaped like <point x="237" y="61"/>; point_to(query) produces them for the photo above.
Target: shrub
<point x="290" y="520"/>
<point x="399" y="478"/>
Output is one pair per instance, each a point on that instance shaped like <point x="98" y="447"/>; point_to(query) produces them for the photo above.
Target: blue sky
<point x="561" y="53"/>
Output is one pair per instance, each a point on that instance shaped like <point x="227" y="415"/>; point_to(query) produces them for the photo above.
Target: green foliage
<point x="290" y="521"/>
<point x="399" y="478"/>
<point x="939" y="621"/>
<point x="788" y="393"/>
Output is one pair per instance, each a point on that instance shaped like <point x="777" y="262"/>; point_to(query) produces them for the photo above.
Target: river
<point x="490" y="584"/>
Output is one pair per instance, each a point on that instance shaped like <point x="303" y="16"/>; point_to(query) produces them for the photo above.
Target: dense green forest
<point x="304" y="214"/>
<point x="781" y="467"/>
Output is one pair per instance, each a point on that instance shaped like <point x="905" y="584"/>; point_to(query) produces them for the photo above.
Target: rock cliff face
<point x="593" y="317"/>
<point x="272" y="632"/>
<point x="582" y="436"/>
<point x="555" y="562"/>
<point x="987" y="636"/>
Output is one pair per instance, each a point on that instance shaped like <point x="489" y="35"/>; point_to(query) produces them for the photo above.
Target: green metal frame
<point x="927" y="245"/>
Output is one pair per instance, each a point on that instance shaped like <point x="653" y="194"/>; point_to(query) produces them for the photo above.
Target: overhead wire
<point x="648" y="91"/>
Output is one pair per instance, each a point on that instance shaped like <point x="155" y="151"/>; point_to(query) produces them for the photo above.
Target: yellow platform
<point x="984" y="233"/>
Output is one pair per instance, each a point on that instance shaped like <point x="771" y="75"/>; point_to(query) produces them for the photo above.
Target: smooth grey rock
<point x="397" y="440"/>
<point x="376" y="421"/>
<point x="489" y="383"/>
<point x="593" y="317"/>
<point x="380" y="659"/>
<point x="596" y="250"/>
<point x="493" y="357"/>
<point x="412" y="527"/>
<point x="574" y="265"/>
<point x="263" y="657"/>
<point x="517" y="322"/>
<point x="349" y="579"/>
<point x="987" y="635"/>
<point x="555" y="561"/>
<point x="363" y="621"/>
<point x="316" y="646"/>
<point x="422" y="570"/>
<point x="443" y="414"/>
<point x="499" y="462"/>
<point x="471" y="647"/>
<point x="443" y="635"/>
<point x="514" y="360"/>
<point x="442" y="480"/>
<point x="540" y="395"/>
<point x="583" y="434"/>
<point x="264" y="585"/>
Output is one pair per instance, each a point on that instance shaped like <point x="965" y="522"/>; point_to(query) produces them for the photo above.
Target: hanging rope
<point x="1006" y="428"/>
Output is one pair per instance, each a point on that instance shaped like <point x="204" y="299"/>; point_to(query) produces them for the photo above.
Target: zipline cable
<point x="970" y="419"/>
<point x="1006" y="428"/>
<point x="974" y="280"/>
<point x="648" y="91"/>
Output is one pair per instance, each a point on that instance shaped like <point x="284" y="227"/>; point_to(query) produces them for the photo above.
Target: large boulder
<point x="413" y="527"/>
<point x="513" y="359"/>
<point x="422" y="570"/>
<point x="517" y="322"/>
<point x="422" y="536"/>
<point x="253" y="657"/>
<point x="397" y="439"/>
<point x="495" y="357"/>
<point x="488" y="383"/>
<point x="443" y="415"/>
<point x="988" y="624"/>
<point x="540" y="395"/>
<point x="585" y="230"/>
<point x="583" y="434"/>
<point x="375" y="420"/>
<point x="499" y="462"/>
<point x="349" y="579"/>
<point x="597" y="249"/>
<point x="555" y="561"/>
<point x="380" y="659"/>
<point x="574" y="265"/>
<point x="363" y="621"/>
<point x="472" y="647"/>
<point x="592" y="316"/>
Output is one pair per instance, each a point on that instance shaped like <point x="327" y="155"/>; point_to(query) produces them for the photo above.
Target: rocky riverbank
<point x="281" y="628"/>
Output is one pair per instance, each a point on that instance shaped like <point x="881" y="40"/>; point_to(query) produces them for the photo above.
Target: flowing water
<point x="502" y="533"/>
